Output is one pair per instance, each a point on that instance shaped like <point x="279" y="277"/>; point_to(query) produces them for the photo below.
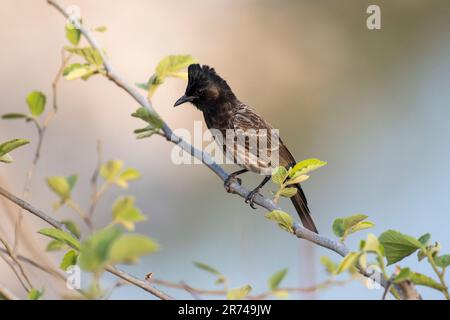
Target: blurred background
<point x="374" y="104"/>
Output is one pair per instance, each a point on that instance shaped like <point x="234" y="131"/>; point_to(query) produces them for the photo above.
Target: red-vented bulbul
<point x="223" y="111"/>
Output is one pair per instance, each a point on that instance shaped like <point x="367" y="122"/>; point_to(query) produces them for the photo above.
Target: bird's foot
<point x="227" y="183"/>
<point x="251" y="197"/>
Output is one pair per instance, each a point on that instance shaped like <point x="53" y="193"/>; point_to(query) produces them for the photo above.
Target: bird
<point x="223" y="112"/>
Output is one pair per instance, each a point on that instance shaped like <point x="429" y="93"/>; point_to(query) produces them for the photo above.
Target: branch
<point x="6" y="294"/>
<point x="95" y="193"/>
<point x="20" y="273"/>
<point x="55" y="273"/>
<point x="58" y="225"/>
<point x="41" y="129"/>
<point x="261" y="296"/>
<point x="234" y="187"/>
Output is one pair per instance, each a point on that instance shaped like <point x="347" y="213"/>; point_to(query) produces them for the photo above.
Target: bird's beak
<point x="183" y="99"/>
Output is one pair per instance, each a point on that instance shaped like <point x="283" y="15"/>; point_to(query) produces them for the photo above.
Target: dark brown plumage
<point x="223" y="111"/>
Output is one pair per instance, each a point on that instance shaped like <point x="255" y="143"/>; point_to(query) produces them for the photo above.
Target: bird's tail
<point x="301" y="205"/>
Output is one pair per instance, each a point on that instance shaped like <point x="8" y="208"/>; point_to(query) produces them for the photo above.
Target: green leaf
<point x="348" y="262"/>
<point x="95" y="251"/>
<point x="307" y="166"/>
<point x="36" y="103"/>
<point x="403" y="275"/>
<point x="13" y="116"/>
<point x="361" y="226"/>
<point x="129" y="248"/>
<point x="342" y="227"/>
<point x="91" y="55"/>
<point x="421" y="255"/>
<point x="130" y="174"/>
<point x="72" y="227"/>
<point x="362" y="261"/>
<point x="398" y="245"/>
<point x="372" y="244"/>
<point x="153" y="83"/>
<point x="61" y="236"/>
<point x="207" y="268"/>
<point x="11" y="145"/>
<point x="425" y="239"/>
<point x="288" y="192"/>
<point x="338" y="227"/>
<point x="330" y="266"/>
<point x="55" y="245"/>
<point x="276" y="278"/>
<point x="297" y="179"/>
<point x="353" y="220"/>
<point x="127" y="175"/>
<point x="173" y="64"/>
<point x="145" y="132"/>
<point x="279" y="174"/>
<point x="442" y="261"/>
<point x="239" y="293"/>
<point x="423" y="280"/>
<point x="283" y="219"/>
<point x="417" y="278"/>
<point x="73" y="34"/>
<point x="101" y="29"/>
<point x="6" y="158"/>
<point x="220" y="280"/>
<point x="69" y="259"/>
<point x="110" y="170"/>
<point x="71" y="180"/>
<point x="76" y="71"/>
<point x="125" y="213"/>
<point x="59" y="185"/>
<point x="35" y="294"/>
<point x="150" y="117"/>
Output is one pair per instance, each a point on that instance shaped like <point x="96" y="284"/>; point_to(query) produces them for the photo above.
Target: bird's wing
<point x="255" y="140"/>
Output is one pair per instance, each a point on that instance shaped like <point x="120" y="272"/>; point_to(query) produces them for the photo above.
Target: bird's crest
<point x="203" y="74"/>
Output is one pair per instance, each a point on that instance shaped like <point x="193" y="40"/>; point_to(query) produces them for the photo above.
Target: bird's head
<point x="205" y="88"/>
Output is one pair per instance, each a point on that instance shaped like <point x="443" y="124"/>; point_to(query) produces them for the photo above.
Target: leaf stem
<point x="75" y="207"/>
<point x="439" y="274"/>
<point x="385" y="275"/>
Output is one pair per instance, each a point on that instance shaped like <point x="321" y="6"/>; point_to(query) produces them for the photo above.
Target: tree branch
<point x="6" y="294"/>
<point x="261" y="296"/>
<point x="234" y="187"/>
<point x="20" y="273"/>
<point x="41" y="129"/>
<point x="58" y="225"/>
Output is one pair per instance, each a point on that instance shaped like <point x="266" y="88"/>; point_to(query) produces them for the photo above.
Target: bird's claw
<point x="227" y="183"/>
<point x="251" y="197"/>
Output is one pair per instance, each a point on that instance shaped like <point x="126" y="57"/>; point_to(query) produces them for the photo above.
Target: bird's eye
<point x="199" y="91"/>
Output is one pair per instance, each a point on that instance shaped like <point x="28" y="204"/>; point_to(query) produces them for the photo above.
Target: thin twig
<point x="6" y="294"/>
<point x="95" y="193"/>
<point x="58" y="225"/>
<point x="21" y="272"/>
<point x="37" y="265"/>
<point x="41" y="129"/>
<point x="11" y="265"/>
<point x="439" y="274"/>
<point x="55" y="273"/>
<point x="234" y="187"/>
<point x="83" y="215"/>
<point x="261" y="296"/>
